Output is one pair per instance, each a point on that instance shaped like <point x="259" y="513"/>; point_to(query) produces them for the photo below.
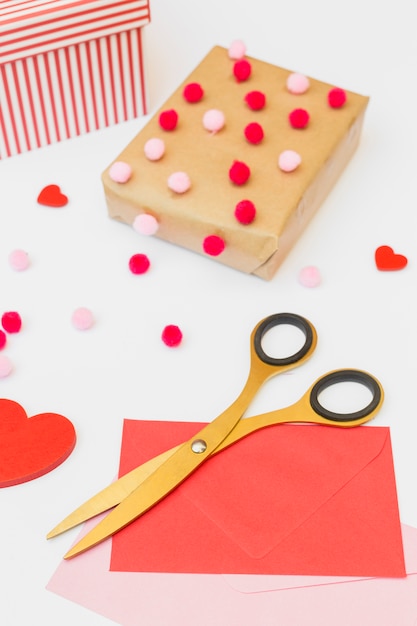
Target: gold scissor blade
<point x="112" y="495"/>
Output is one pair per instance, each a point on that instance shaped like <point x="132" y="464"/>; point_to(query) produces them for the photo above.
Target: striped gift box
<point x="68" y="67"/>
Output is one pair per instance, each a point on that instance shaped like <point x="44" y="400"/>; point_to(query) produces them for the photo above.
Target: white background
<point x="120" y="368"/>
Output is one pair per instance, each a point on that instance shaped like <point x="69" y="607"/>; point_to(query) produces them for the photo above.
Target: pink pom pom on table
<point x="19" y="260"/>
<point x="82" y="318"/>
<point x="120" y="172"/>
<point x="5" y="366"/>
<point x="309" y="276"/>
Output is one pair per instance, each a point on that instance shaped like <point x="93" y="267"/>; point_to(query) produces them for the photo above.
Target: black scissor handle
<point x="276" y="320"/>
<point x="341" y="376"/>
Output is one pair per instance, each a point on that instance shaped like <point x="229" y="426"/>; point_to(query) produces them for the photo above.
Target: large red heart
<point x="51" y="195"/>
<point x="387" y="260"/>
<point x="31" y="447"/>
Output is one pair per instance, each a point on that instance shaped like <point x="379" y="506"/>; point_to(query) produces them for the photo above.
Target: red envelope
<point x="288" y="499"/>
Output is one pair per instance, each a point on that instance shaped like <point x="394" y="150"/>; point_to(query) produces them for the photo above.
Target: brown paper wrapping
<point x="285" y="202"/>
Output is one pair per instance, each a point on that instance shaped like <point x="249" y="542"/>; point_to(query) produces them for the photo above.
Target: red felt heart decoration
<point x="51" y="195"/>
<point x="31" y="447"/>
<point x="387" y="260"/>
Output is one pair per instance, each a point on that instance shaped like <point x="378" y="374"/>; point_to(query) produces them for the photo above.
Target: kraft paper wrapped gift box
<point x="284" y="200"/>
<point x="68" y="67"/>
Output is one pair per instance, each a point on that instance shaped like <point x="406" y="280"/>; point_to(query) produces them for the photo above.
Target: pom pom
<point x="5" y="366"/>
<point x="11" y="322"/>
<point x="179" y="182"/>
<point x="297" y="83"/>
<point x="3" y="339"/>
<point x="193" y="92"/>
<point x="82" y="318"/>
<point x="239" y="173"/>
<point x="309" y="276"/>
<point x="242" y="70"/>
<point x="299" y="118"/>
<point x="213" y="120"/>
<point x="171" y="336"/>
<point x="255" y="100"/>
<point x="245" y="212"/>
<point x="154" y="149"/>
<point x="139" y="264"/>
<point x="237" y="50"/>
<point x="336" y="98"/>
<point x="19" y="260"/>
<point x="213" y="245"/>
<point x="145" y="224"/>
<point x="254" y="133"/>
<point x="289" y="160"/>
<point x="168" y="120"/>
<point x="120" y="172"/>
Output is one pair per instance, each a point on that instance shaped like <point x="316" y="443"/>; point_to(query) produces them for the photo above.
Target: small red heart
<point x="51" y="195"/>
<point x="31" y="447"/>
<point x="387" y="260"/>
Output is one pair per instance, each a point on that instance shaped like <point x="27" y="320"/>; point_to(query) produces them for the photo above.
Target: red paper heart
<point x="387" y="260"/>
<point x="51" y="195"/>
<point x="31" y="447"/>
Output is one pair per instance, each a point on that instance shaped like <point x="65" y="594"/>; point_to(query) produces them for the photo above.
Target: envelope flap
<point x="301" y="467"/>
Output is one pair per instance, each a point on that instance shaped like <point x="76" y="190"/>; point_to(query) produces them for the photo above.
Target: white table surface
<point x="365" y="318"/>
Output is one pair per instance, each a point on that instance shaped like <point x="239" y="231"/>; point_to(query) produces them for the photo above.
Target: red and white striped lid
<point x="29" y="27"/>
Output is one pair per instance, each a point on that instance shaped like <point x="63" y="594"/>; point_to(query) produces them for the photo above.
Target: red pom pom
<point x="11" y="322"/>
<point x="299" y="118"/>
<point x="213" y="245"/>
<point x="254" y="132"/>
<point x="193" y="92"/>
<point x="3" y="339"/>
<point x="245" y="212"/>
<point x="239" y="173"/>
<point x="139" y="264"/>
<point x="336" y="98"/>
<point x="171" y="336"/>
<point x="242" y="70"/>
<point x="168" y="119"/>
<point x="255" y="100"/>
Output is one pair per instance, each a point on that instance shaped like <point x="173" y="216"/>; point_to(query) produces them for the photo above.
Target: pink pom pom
<point x="245" y="212"/>
<point x="82" y="319"/>
<point x="213" y="245"/>
<point x="309" y="276"/>
<point x="19" y="260"/>
<point x="120" y="172"/>
<point x="213" y="120"/>
<point x="5" y="366"/>
<point x="289" y="160"/>
<point x="297" y="83"/>
<point x="154" y="149"/>
<point x="336" y="98"/>
<point x="237" y="49"/>
<point x="179" y="182"/>
<point x="171" y="336"/>
<point x="145" y="224"/>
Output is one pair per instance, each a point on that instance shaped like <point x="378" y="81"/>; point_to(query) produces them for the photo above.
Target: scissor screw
<point x="198" y="446"/>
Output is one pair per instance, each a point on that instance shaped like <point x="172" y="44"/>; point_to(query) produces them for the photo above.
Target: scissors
<point x="138" y="491"/>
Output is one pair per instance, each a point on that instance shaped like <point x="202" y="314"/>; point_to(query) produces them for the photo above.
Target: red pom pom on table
<point x="245" y="212"/>
<point x="193" y="92"/>
<point x="239" y="173"/>
<point x="171" y="336"/>
<point x="336" y="98"/>
<point x="213" y="245"/>
<point x="139" y="264"/>
<point x="168" y="119"/>
<point x="242" y="70"/>
<point x="11" y="322"/>
<point x="255" y="100"/>
<point x="299" y="118"/>
<point x="254" y="133"/>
